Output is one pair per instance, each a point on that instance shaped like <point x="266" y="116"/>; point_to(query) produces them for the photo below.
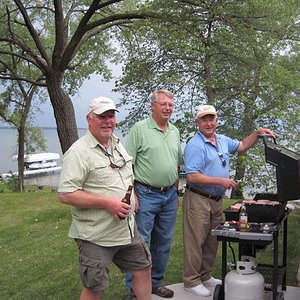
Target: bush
<point x="11" y="185"/>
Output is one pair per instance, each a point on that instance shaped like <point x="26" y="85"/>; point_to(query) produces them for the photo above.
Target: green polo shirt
<point x="156" y="154"/>
<point x="87" y="167"/>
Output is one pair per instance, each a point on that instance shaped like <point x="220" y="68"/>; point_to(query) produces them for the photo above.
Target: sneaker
<point x="199" y="290"/>
<point x="162" y="291"/>
<point x="212" y="282"/>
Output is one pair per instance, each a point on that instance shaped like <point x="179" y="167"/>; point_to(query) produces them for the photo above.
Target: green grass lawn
<point x="39" y="261"/>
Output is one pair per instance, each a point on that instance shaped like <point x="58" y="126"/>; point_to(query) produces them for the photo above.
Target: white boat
<point x="39" y="160"/>
<point x="37" y="164"/>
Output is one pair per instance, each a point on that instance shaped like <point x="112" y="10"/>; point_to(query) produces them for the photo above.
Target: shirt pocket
<point x="101" y="172"/>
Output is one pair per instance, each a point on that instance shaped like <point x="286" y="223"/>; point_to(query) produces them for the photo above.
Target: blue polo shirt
<point x="201" y="156"/>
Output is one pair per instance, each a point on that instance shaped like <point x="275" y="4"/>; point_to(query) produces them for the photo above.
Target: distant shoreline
<point x="48" y="128"/>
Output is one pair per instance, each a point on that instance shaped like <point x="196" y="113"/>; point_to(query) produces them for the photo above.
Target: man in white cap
<point x="95" y="176"/>
<point x="206" y="159"/>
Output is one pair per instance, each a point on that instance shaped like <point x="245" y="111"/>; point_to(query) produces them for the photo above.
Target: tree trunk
<point x="64" y="114"/>
<point x="239" y="175"/>
<point x="21" y="142"/>
<point x="246" y="129"/>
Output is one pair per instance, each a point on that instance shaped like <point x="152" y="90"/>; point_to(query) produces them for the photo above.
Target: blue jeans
<point x="156" y="221"/>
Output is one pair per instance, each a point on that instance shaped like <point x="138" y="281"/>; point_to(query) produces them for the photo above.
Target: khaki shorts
<point x="94" y="261"/>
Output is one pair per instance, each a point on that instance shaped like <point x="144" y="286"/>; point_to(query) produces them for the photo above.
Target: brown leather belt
<point x="217" y="198"/>
<point x="162" y="189"/>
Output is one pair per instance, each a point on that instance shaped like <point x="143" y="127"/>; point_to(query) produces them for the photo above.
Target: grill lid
<point x="287" y="164"/>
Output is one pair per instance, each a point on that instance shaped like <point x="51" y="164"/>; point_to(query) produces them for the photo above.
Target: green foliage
<point x="35" y="140"/>
<point x="11" y="185"/>
<point x="239" y="56"/>
<point x="218" y="52"/>
<point x="63" y="43"/>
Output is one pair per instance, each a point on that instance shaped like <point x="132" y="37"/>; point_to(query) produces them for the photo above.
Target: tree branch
<point x="110" y="21"/>
<point x="35" y="82"/>
<point x="26" y="58"/>
<point x="32" y="32"/>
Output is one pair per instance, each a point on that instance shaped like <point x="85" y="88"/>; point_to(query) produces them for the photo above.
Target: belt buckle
<point x="216" y="198"/>
<point x="164" y="189"/>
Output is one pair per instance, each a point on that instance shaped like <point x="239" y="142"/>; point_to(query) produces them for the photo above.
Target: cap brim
<point x="100" y="111"/>
<point x="206" y="114"/>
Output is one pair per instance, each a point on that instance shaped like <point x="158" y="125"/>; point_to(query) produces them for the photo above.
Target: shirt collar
<point x="152" y="124"/>
<point x="217" y="136"/>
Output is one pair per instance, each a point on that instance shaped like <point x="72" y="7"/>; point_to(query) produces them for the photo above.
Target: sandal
<point x="162" y="291"/>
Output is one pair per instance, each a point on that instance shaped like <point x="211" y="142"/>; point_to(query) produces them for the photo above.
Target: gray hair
<point x="157" y="92"/>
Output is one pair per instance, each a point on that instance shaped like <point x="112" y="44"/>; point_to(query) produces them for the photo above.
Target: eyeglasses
<point x="164" y="104"/>
<point x="112" y="164"/>
<point x="222" y="159"/>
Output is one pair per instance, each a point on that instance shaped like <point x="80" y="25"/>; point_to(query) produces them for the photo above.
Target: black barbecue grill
<point x="287" y="164"/>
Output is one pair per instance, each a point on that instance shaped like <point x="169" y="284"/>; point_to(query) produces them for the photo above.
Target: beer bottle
<point x="127" y="197"/>
<point x="243" y="219"/>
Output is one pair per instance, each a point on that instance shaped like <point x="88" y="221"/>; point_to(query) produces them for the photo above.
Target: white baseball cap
<point x="203" y="110"/>
<point x="100" y="105"/>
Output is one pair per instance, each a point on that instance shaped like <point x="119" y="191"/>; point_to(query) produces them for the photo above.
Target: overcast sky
<point x="91" y="89"/>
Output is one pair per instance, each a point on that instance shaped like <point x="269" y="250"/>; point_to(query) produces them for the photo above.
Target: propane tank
<point x="244" y="283"/>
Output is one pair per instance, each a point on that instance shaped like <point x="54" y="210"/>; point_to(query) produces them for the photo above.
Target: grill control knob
<point x="266" y="227"/>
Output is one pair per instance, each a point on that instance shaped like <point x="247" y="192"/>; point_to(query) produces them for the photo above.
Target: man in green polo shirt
<point x="96" y="173"/>
<point x="155" y="146"/>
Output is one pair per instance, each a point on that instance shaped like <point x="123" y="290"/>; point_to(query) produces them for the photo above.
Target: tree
<point x="65" y="41"/>
<point x="15" y="104"/>
<point x="16" y="110"/>
<point x="236" y="55"/>
<point x="16" y="107"/>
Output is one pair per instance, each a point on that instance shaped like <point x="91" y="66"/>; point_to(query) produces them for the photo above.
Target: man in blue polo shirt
<point x="206" y="158"/>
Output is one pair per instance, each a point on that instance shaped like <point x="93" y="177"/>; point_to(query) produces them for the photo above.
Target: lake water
<point x="8" y="138"/>
<point x="9" y="147"/>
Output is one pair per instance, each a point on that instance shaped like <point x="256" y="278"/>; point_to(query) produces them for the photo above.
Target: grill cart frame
<point x="257" y="240"/>
<point x="287" y="164"/>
